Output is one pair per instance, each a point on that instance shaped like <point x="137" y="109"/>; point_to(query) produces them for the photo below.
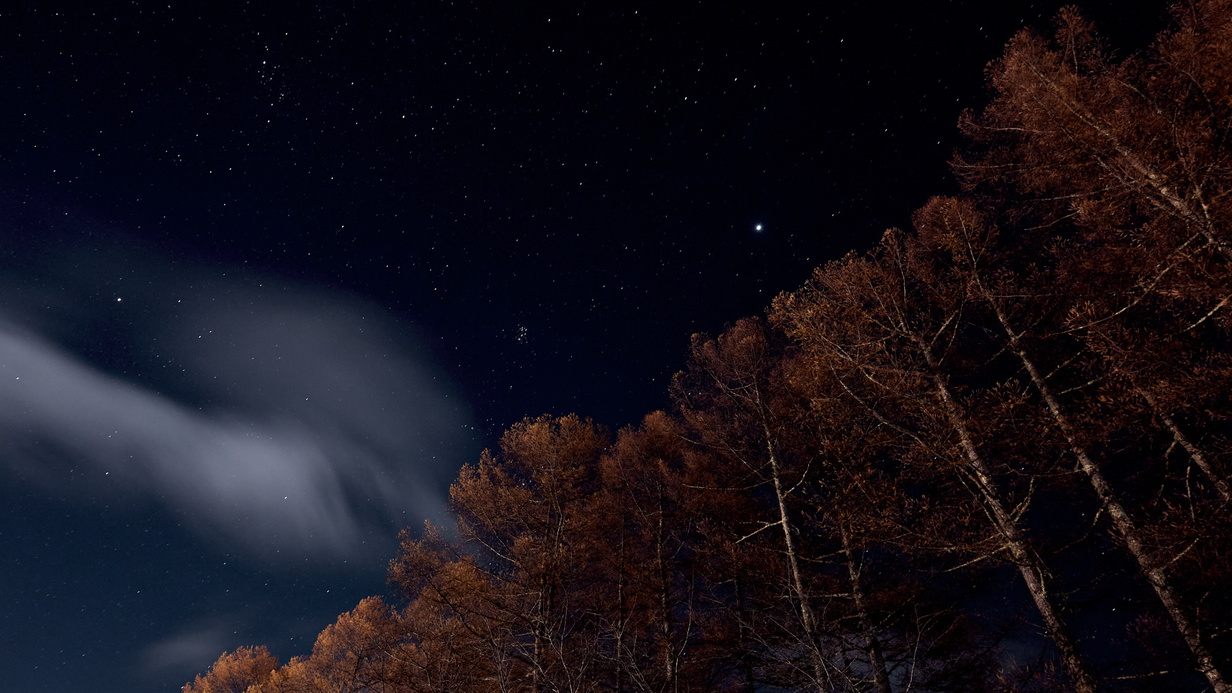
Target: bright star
<point x="757" y="228"/>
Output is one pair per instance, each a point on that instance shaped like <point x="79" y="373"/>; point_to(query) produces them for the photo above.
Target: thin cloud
<point x="302" y="423"/>
<point x="189" y="651"/>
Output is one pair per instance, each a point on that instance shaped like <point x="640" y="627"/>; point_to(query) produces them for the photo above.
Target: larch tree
<point x="460" y="634"/>
<point x="1137" y="146"/>
<point x="979" y="263"/>
<point x="890" y="331"/>
<point x="525" y="512"/>
<point x="871" y="538"/>
<point x="1128" y="161"/>
<point x="235" y="671"/>
<point x="652" y="590"/>
<point x="733" y="401"/>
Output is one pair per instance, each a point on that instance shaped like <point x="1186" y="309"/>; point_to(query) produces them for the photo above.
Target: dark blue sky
<point x="270" y="274"/>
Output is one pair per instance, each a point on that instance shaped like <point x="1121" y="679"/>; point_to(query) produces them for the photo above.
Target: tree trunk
<point x="1121" y="520"/>
<point x="876" y="661"/>
<point x="807" y="620"/>
<point x="742" y="625"/>
<point x="622" y="615"/>
<point x="1029" y="564"/>
<point x="1195" y="454"/>
<point x="665" y="607"/>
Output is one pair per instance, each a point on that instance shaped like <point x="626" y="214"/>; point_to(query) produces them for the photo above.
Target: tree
<point x="890" y="329"/>
<point x="234" y="672"/>
<point x="1138" y="145"/>
<point x="953" y="407"/>
<point x="732" y="397"/>
<point x="1129" y="158"/>
<point x="959" y="230"/>
<point x="525" y="512"/>
<point x="654" y="617"/>
<point x="877" y="543"/>
<point x="460" y="636"/>
<point x="800" y="477"/>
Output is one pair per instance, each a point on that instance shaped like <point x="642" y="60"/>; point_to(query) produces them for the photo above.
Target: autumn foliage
<point x="991" y="454"/>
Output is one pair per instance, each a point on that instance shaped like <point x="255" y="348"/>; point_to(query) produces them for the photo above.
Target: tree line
<point x="989" y="455"/>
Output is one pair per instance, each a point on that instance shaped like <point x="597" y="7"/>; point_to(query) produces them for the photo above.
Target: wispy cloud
<point x="301" y="421"/>
<point x="184" y="653"/>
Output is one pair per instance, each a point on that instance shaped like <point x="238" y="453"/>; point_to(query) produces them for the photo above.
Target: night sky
<point x="269" y="275"/>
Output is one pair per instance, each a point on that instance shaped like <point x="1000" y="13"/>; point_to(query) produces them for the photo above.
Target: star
<point x="757" y="228"/>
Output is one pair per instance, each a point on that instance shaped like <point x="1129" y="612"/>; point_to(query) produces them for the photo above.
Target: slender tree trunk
<point x="876" y="660"/>
<point x="542" y="623"/>
<point x="1030" y="566"/>
<point x="621" y="611"/>
<point x="746" y="669"/>
<point x="665" y="608"/>
<point x="1195" y="454"/>
<point x="807" y="620"/>
<point x="1121" y="520"/>
<point x="536" y="677"/>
